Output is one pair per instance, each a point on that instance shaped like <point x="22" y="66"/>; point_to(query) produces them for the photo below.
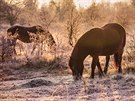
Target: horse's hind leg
<point x="106" y="64"/>
<point x="118" y="60"/>
<point x="119" y="63"/>
<point x="14" y="50"/>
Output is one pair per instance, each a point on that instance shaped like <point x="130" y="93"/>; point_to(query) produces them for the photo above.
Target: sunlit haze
<point x="82" y="3"/>
<point x="42" y="2"/>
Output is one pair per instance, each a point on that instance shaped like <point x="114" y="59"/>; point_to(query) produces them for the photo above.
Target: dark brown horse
<point x="24" y="34"/>
<point x="105" y="41"/>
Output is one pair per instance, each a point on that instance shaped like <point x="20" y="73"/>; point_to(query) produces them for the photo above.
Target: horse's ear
<point x="38" y="27"/>
<point x="17" y="30"/>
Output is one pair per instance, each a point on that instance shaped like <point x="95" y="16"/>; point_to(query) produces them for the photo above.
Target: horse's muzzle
<point x="9" y="34"/>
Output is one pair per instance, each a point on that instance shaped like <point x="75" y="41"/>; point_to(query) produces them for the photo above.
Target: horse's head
<point x="76" y="68"/>
<point x="12" y="30"/>
<point x="12" y="35"/>
<point x="39" y="28"/>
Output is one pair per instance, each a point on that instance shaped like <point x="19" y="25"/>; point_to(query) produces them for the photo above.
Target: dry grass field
<point x="44" y="75"/>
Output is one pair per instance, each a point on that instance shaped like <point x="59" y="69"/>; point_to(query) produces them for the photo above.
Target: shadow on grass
<point x="55" y="64"/>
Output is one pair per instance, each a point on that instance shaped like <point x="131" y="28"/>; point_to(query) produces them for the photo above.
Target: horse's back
<point x="102" y="40"/>
<point x="98" y="37"/>
<point x="121" y="31"/>
<point x="115" y="26"/>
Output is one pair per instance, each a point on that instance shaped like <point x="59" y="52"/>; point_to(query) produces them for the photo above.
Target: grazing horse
<point x="24" y="34"/>
<point x="105" y="41"/>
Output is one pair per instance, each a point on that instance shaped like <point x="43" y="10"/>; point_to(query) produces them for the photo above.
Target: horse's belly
<point x="108" y="52"/>
<point x="103" y="50"/>
<point x="25" y="39"/>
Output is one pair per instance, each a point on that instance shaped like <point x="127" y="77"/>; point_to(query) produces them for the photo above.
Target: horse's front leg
<point x="80" y="69"/>
<point x="107" y="63"/>
<point x="93" y="65"/>
<point x="99" y="69"/>
<point x="34" y="47"/>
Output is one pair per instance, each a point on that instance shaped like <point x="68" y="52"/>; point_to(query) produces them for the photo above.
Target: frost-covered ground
<point x="32" y="84"/>
<point x="29" y="83"/>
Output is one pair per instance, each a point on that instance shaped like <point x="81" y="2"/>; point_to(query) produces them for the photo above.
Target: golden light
<point x="82" y="3"/>
<point x="87" y="3"/>
<point x="42" y="2"/>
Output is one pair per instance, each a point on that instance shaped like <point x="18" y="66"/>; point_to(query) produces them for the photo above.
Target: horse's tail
<point x="116" y="60"/>
<point x="51" y="42"/>
<point x="124" y="40"/>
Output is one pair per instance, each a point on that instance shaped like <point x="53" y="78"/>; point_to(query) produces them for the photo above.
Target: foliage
<point x="92" y="14"/>
<point x="123" y="12"/>
<point x="61" y="17"/>
<point x="9" y="11"/>
<point x="133" y="2"/>
<point x="73" y="24"/>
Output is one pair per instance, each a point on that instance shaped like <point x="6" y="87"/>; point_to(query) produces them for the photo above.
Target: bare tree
<point x="48" y="15"/>
<point x="6" y="51"/>
<point x="29" y="14"/>
<point x="123" y="12"/>
<point x="133" y="2"/>
<point x="10" y="11"/>
<point x="92" y="13"/>
<point x="72" y="25"/>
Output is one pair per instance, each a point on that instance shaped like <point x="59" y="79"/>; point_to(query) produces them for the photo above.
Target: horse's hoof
<point x="100" y="76"/>
<point x="92" y="77"/>
<point x="77" y="78"/>
<point x="120" y="71"/>
<point x="105" y="72"/>
<point x="105" y="75"/>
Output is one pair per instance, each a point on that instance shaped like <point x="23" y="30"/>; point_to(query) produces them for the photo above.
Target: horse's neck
<point x="31" y="29"/>
<point x="75" y="53"/>
<point x="78" y="54"/>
